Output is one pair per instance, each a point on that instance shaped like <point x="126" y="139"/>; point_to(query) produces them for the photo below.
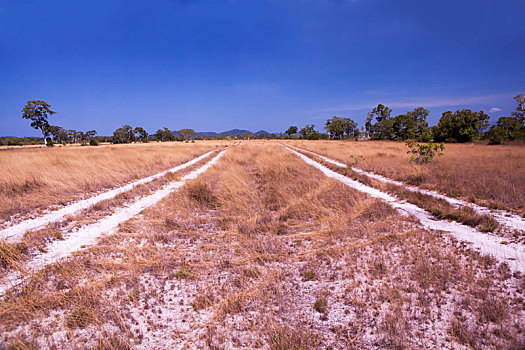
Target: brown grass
<point x="186" y="274"/>
<point x="491" y="175"/>
<point x="41" y="178"/>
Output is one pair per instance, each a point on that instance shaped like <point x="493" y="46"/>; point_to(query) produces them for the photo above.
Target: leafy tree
<point x="38" y="112"/>
<point x="496" y="135"/>
<point x="247" y="135"/>
<point x="123" y="134"/>
<point x="405" y="127"/>
<point x="420" y="115"/>
<point x="164" y="134"/>
<point x="307" y="130"/>
<point x="337" y="127"/>
<point x="383" y="130"/>
<point x="292" y="130"/>
<point x="186" y="133"/>
<point x="314" y="135"/>
<point x="460" y="126"/>
<point x="519" y="114"/>
<point x="72" y="135"/>
<point x="381" y="112"/>
<point x="90" y="134"/>
<point x="140" y="133"/>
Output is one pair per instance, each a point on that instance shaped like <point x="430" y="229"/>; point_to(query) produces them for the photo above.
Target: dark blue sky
<point x="219" y="64"/>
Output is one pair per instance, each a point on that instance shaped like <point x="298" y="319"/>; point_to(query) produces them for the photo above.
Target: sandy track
<point x="15" y="232"/>
<point x="88" y="235"/>
<point x="503" y="217"/>
<point x="513" y="254"/>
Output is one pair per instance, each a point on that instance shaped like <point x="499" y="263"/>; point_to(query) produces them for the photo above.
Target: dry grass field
<point x="262" y="251"/>
<point x="490" y="175"/>
<point x="38" y="178"/>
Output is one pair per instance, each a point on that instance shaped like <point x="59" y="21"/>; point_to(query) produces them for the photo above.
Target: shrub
<point x="93" y="142"/>
<point x="424" y="152"/>
<point x="49" y="143"/>
<point x="320" y="305"/>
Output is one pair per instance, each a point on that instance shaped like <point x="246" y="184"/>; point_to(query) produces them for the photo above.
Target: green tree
<point x="292" y="130"/>
<point x="38" y="112"/>
<point x="337" y="127"/>
<point x="307" y="130"/>
<point x="123" y="134"/>
<point x="140" y="133"/>
<point x="186" y="133"/>
<point x="90" y="134"/>
<point x="460" y="126"/>
<point x="164" y="134"/>
<point x="420" y="115"/>
<point x="519" y="114"/>
<point x="247" y="135"/>
<point x="381" y="112"/>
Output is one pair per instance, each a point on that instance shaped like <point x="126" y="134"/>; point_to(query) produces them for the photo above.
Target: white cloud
<point x="495" y="109"/>
<point x="424" y="102"/>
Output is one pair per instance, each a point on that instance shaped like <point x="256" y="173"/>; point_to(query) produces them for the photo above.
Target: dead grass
<point x="41" y="178"/>
<point x="490" y="175"/>
<point x="185" y="274"/>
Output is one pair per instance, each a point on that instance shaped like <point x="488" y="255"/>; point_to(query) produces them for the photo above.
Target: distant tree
<point x="247" y="135"/>
<point x="72" y="135"/>
<point x="337" y="127"/>
<point x="140" y="133"/>
<point x="292" y="130"/>
<point x="405" y="127"/>
<point x="164" y="134"/>
<point x="186" y="133"/>
<point x="506" y="128"/>
<point x="307" y="130"/>
<point x="314" y="135"/>
<point x="55" y="132"/>
<point x="381" y="112"/>
<point x="38" y="112"/>
<point x="460" y="126"/>
<point x="90" y="134"/>
<point x="123" y="134"/>
<point x="419" y="116"/>
<point x="519" y="114"/>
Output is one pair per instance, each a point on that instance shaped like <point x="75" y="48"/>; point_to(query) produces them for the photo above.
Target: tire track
<point x="503" y="217"/>
<point x="512" y="254"/>
<point x="88" y="235"/>
<point x="15" y="232"/>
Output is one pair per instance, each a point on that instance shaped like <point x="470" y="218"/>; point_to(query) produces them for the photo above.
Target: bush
<point x="424" y="153"/>
<point x="93" y="142"/>
<point x="49" y="143"/>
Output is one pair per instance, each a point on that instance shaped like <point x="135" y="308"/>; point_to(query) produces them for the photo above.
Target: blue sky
<point x="213" y="65"/>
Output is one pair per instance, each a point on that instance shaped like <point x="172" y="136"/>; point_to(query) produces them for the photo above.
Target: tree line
<point x="463" y="125"/>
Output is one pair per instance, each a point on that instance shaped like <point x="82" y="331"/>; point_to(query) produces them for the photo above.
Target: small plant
<point x="321" y="305"/>
<point x="309" y="275"/>
<point x="423" y="153"/>
<point x="354" y="160"/>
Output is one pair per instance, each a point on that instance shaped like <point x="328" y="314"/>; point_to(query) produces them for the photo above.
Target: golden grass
<point x="262" y="251"/>
<point x="39" y="178"/>
<point x="491" y="175"/>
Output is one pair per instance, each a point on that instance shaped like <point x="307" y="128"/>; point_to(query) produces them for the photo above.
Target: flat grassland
<point x="264" y="251"/>
<point x="38" y="178"/>
<point x="491" y="175"/>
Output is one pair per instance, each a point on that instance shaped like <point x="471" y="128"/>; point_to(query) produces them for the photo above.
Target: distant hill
<point x="205" y="133"/>
<point x="233" y="132"/>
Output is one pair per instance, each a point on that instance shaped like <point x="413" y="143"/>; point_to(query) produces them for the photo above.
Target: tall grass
<point x="39" y="178"/>
<point x="491" y="175"/>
